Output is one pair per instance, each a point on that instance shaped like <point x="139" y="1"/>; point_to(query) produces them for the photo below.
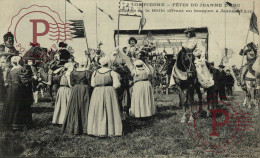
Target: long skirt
<point x="17" y="111"/>
<point x="76" y="118"/>
<point x="104" y="115"/>
<point x="142" y="100"/>
<point x="61" y="105"/>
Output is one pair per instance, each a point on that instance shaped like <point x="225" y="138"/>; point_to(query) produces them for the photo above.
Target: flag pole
<point x="85" y="36"/>
<point x="118" y="24"/>
<point x="243" y="53"/>
<point x="253" y="12"/>
<point x="96" y="26"/>
<point x="243" y="56"/>
<point x="65" y="20"/>
<point x="225" y="29"/>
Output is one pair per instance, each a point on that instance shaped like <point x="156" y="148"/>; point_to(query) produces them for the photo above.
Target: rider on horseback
<point x="250" y="50"/>
<point x="64" y="55"/>
<point x="249" y="76"/>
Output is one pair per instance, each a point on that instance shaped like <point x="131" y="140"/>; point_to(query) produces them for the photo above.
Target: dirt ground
<point x="164" y="136"/>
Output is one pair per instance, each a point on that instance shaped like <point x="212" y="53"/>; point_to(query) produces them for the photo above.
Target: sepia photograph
<point x="129" y="78"/>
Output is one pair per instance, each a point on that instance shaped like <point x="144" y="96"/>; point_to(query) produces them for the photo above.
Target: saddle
<point x="179" y="74"/>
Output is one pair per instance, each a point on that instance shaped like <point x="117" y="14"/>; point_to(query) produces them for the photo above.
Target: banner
<point x="77" y="28"/>
<point x="253" y="24"/>
<point x="131" y="8"/>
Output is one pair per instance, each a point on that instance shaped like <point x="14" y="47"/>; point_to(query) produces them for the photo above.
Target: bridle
<point x="189" y="57"/>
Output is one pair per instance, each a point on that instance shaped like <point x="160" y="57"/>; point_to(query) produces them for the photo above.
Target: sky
<point x="236" y="25"/>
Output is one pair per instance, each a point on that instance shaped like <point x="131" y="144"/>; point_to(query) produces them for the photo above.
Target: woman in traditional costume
<point x="132" y="48"/>
<point x="104" y="114"/>
<point x="63" y="96"/>
<point x="17" y="112"/>
<point x="76" y="118"/>
<point x="142" y="100"/>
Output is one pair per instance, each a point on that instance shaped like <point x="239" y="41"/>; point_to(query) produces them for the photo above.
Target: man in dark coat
<point x="222" y="83"/>
<point x="64" y="53"/>
<point x="212" y="92"/>
<point x="229" y="83"/>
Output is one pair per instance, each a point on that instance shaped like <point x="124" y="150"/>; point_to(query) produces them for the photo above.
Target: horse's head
<point x="185" y="61"/>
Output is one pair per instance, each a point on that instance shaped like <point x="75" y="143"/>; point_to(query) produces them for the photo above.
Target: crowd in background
<point x="95" y="96"/>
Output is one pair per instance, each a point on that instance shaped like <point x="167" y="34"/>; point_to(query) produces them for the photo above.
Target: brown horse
<point x="185" y="76"/>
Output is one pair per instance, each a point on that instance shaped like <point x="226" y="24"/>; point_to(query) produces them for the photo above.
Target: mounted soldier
<point x="64" y="55"/>
<point x="249" y="76"/>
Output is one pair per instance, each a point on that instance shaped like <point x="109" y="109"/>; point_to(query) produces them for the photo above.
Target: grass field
<point x="163" y="136"/>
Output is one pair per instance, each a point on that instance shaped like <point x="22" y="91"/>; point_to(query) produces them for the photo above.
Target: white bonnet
<point x="104" y="60"/>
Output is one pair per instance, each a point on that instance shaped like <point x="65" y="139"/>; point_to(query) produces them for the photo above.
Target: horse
<point x="184" y="76"/>
<point x="249" y="76"/>
<point x="49" y="73"/>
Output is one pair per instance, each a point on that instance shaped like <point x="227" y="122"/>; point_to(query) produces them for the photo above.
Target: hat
<point x="141" y="65"/>
<point x="221" y="66"/>
<point x="8" y="35"/>
<point x="132" y="38"/>
<point x="104" y="60"/>
<point x="138" y="62"/>
<point x="63" y="45"/>
<point x="189" y="29"/>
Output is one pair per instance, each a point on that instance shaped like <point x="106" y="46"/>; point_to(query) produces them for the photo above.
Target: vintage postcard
<point x="129" y="78"/>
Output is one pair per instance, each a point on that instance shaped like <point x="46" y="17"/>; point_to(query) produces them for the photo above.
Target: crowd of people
<point x="223" y="84"/>
<point x="95" y="96"/>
